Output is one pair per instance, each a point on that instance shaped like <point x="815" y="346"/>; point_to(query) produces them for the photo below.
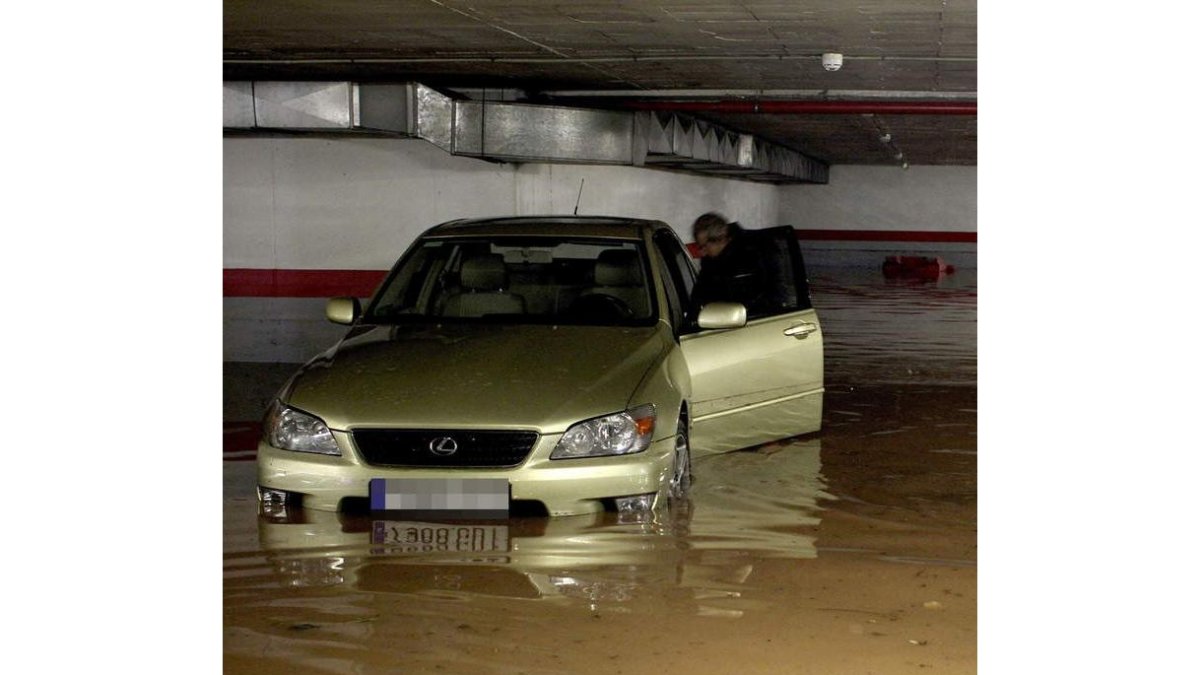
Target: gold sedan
<point x="547" y="365"/>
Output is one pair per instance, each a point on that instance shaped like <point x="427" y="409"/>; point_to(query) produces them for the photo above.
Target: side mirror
<point x="343" y="310"/>
<point x="722" y="315"/>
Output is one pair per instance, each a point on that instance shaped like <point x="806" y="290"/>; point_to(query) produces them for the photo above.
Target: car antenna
<point x="579" y="197"/>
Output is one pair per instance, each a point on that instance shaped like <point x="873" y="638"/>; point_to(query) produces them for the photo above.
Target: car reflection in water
<point x="745" y="506"/>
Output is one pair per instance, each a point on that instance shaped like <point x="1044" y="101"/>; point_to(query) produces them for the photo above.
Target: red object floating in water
<point x="919" y="267"/>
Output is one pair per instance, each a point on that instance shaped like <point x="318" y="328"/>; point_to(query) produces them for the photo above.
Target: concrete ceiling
<point x="621" y="54"/>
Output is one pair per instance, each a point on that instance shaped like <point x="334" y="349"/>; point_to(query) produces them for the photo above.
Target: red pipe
<point x="813" y="107"/>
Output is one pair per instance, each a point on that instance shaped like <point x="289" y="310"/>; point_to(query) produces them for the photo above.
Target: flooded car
<point x="547" y="365"/>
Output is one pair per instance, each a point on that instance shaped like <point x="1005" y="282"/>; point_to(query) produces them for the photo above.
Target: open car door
<point x="765" y="380"/>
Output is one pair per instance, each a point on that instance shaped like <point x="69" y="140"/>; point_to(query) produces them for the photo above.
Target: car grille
<point x="443" y="448"/>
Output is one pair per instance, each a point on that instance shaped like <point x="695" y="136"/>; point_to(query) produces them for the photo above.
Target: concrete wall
<point x="306" y="203"/>
<point x="297" y="204"/>
<point x="346" y="203"/>
<point x="937" y="198"/>
<point x="922" y="210"/>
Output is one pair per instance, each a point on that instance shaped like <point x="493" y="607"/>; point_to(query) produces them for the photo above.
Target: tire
<point x="681" y="477"/>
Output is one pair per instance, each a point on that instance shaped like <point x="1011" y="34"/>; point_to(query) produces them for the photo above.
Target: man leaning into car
<point x="734" y="267"/>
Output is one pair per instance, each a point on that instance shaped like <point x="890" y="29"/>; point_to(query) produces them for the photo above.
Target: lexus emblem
<point x="444" y="446"/>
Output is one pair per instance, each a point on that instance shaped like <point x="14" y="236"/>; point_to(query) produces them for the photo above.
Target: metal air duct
<point x="513" y="132"/>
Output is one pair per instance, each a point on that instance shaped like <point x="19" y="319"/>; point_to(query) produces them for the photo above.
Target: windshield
<point x="527" y="280"/>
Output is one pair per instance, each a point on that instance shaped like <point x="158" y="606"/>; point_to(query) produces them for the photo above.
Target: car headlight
<point x="621" y="433"/>
<point x="289" y="429"/>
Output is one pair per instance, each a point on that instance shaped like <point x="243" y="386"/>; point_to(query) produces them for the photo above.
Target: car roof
<point x="587" y="226"/>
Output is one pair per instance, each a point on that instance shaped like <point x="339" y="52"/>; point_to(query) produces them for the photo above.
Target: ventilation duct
<point x="532" y="133"/>
<point x="405" y="110"/>
<point x="676" y="141"/>
<point x="513" y="132"/>
<point x="412" y="110"/>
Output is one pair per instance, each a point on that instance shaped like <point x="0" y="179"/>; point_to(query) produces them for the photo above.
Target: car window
<point x="675" y="303"/>
<point x="519" y="280"/>
<point x="786" y="273"/>
<point x="681" y="273"/>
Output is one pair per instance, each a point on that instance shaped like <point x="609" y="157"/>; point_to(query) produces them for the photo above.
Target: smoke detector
<point x="831" y="61"/>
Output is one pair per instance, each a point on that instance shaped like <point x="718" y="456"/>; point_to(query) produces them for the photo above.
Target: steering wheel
<point x="602" y="305"/>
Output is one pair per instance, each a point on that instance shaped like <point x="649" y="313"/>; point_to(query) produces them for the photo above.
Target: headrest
<point x="485" y="273"/>
<point x="617" y="267"/>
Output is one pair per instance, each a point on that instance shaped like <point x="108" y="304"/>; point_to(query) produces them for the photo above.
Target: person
<point x="734" y="267"/>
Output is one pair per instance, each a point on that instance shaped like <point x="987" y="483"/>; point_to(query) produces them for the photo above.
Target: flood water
<point x="851" y="551"/>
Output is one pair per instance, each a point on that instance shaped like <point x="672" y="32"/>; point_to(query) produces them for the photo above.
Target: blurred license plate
<point x="422" y="498"/>
<point x="413" y="537"/>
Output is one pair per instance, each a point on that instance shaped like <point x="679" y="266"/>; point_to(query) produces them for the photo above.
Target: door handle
<point x="801" y="330"/>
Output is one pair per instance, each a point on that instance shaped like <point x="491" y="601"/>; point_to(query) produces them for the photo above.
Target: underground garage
<point x="477" y="417"/>
<point x="598" y="337"/>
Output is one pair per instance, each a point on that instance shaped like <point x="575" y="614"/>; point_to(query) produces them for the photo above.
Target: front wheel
<point x="681" y="477"/>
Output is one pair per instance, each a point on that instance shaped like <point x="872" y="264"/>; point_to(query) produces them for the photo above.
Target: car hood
<point x="476" y="376"/>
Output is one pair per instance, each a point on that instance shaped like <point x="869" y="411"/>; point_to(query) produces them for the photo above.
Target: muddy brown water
<point x="851" y="551"/>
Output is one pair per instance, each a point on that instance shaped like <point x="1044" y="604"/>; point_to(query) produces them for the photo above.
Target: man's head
<point x="711" y="232"/>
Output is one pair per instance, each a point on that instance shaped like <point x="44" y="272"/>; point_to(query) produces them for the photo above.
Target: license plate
<point x="414" y="537"/>
<point x="465" y="498"/>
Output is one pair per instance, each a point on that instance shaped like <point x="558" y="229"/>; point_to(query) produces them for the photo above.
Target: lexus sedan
<point x="551" y="365"/>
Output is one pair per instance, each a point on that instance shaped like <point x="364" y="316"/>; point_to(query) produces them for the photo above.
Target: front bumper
<point x="565" y="487"/>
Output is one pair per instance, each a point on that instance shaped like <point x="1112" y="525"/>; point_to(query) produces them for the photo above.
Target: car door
<point x="765" y="380"/>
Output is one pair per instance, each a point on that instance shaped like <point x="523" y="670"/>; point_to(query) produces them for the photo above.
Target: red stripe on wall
<point x="886" y="235"/>
<point x="920" y="236"/>
<point x="257" y="283"/>
<point x="250" y="283"/>
<point x="241" y="436"/>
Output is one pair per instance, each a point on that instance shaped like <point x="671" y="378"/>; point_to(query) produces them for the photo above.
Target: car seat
<point x="618" y="273"/>
<point x="484" y="282"/>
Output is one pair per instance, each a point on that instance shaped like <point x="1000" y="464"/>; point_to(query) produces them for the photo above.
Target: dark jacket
<point x="741" y="273"/>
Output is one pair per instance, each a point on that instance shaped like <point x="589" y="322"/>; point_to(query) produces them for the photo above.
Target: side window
<point x="681" y="275"/>
<point x="785" y="271"/>
<point x="674" y="302"/>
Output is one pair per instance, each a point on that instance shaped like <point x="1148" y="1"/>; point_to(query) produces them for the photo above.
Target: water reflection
<point x="907" y="331"/>
<point x="748" y="506"/>
<point x="763" y="501"/>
